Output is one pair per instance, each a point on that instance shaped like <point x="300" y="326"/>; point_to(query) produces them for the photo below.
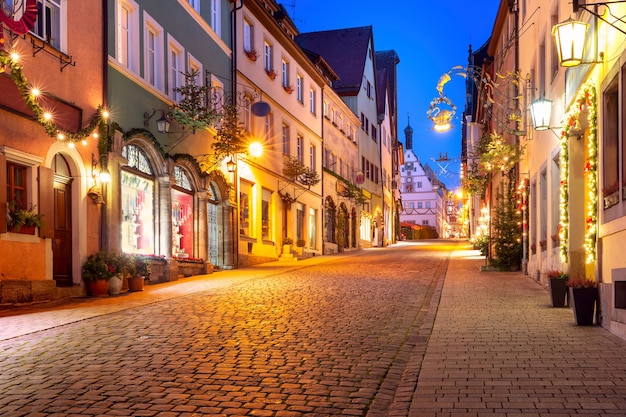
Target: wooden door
<point x="62" y="242"/>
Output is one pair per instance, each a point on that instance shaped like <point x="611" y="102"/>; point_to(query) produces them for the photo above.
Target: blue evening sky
<point x="430" y="37"/>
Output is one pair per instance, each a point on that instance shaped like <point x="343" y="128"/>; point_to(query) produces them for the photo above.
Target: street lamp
<point x="540" y="112"/>
<point x="570" y="41"/>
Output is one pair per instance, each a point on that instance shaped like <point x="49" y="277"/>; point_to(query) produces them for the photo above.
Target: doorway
<point x="62" y="240"/>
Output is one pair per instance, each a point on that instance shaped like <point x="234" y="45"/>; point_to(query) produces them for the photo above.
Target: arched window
<point x="137" y="202"/>
<point x="182" y="214"/>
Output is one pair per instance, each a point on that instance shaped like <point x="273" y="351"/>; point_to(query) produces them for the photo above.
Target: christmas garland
<point x="586" y="99"/>
<point x="42" y="117"/>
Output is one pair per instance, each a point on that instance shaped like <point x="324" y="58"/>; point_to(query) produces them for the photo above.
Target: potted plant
<point x="117" y="264"/>
<point x="23" y="220"/>
<point x="271" y="73"/>
<point x="138" y="272"/>
<point x="252" y="55"/>
<point x="558" y="288"/>
<point x="96" y="272"/>
<point x="584" y="293"/>
<point x="287" y="242"/>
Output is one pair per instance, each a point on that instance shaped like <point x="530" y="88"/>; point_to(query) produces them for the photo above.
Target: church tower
<point x="408" y="134"/>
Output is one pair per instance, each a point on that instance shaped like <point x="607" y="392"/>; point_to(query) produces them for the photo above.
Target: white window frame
<point x="176" y="67"/>
<point x="286" y="139"/>
<point x="269" y="124"/>
<point x="267" y="56"/>
<point x="248" y="35"/>
<point x="195" y="4"/>
<point x="216" y="17"/>
<point x="153" y="54"/>
<point x="300" y="148"/>
<point x="217" y="91"/>
<point x="312" y="157"/>
<point x="285" y="73"/>
<point x="312" y="100"/>
<point x="57" y="24"/>
<point x="127" y="34"/>
<point x="299" y="85"/>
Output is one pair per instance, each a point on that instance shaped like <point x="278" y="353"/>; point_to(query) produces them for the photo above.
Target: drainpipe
<point x="233" y="36"/>
<point x="105" y="105"/>
<point x="323" y="152"/>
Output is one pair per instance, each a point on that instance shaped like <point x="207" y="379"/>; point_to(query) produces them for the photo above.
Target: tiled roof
<point x="345" y="50"/>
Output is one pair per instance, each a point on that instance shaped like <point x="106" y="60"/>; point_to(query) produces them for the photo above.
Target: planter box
<point x="558" y="291"/>
<point x="188" y="269"/>
<point x="583" y="304"/>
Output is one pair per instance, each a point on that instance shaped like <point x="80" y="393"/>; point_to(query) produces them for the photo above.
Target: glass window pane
<point x="137" y="214"/>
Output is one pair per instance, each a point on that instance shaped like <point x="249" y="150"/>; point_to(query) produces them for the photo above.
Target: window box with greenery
<point x="23" y="220"/>
<point x="271" y="73"/>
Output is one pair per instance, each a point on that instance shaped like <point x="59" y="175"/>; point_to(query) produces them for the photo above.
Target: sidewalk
<point x="23" y="320"/>
<point x="498" y="348"/>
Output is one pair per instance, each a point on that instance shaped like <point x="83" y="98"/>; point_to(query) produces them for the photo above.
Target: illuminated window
<point x="266" y="213"/>
<point x="245" y="210"/>
<point x="182" y="214"/>
<point x="137" y="202"/>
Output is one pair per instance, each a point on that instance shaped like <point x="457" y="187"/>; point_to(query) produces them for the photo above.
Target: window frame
<point x="153" y="54"/>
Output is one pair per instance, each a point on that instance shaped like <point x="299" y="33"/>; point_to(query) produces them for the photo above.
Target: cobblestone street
<point x="412" y="330"/>
<point x="330" y="339"/>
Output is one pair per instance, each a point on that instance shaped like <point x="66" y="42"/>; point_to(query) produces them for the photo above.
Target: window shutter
<point x="46" y="201"/>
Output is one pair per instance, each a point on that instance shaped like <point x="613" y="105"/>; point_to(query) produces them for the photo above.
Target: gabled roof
<point x="388" y="60"/>
<point x="345" y="50"/>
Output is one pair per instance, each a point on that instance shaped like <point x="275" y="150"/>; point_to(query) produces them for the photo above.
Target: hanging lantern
<point x="540" y="111"/>
<point x="570" y="41"/>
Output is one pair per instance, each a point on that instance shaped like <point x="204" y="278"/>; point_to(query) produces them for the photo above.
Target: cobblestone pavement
<point x="333" y="337"/>
<point x="412" y="330"/>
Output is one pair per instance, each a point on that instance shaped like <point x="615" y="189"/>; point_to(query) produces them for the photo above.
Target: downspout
<point x="105" y="105"/>
<point x="323" y="228"/>
<point x="233" y="91"/>
<point x="233" y="37"/>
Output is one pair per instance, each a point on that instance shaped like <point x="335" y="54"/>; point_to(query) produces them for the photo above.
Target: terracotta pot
<point x="135" y="283"/>
<point x="98" y="288"/>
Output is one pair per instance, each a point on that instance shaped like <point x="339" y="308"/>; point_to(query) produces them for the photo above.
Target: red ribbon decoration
<point x="26" y="22"/>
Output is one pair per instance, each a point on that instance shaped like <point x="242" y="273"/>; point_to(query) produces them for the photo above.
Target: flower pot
<point x="115" y="284"/>
<point x="583" y="303"/>
<point x="98" y="288"/>
<point x="135" y="283"/>
<point x="558" y="290"/>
